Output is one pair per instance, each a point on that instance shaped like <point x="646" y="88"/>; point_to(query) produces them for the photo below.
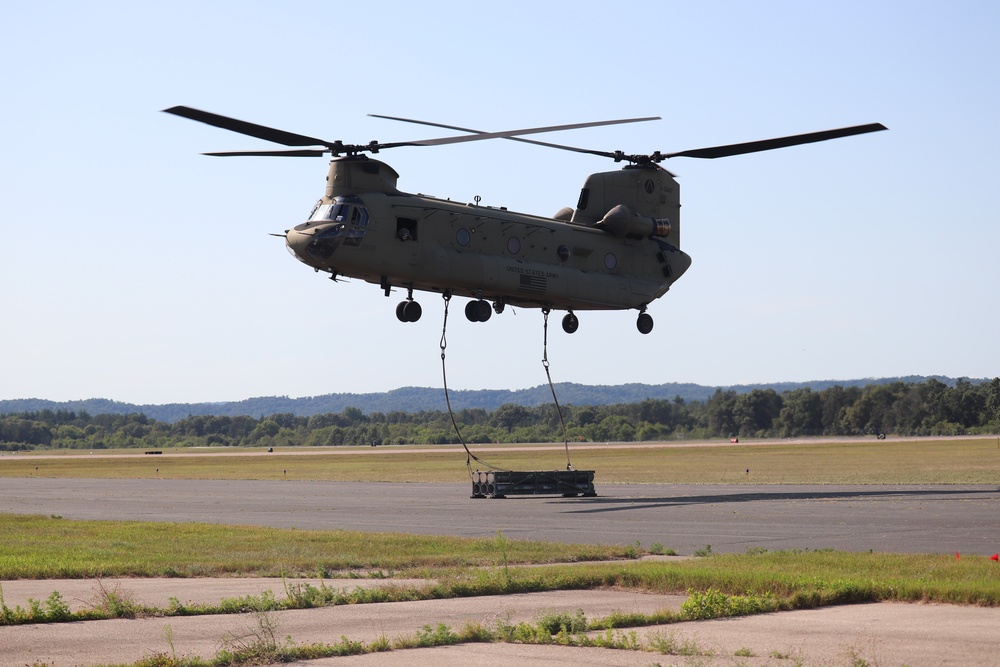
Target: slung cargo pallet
<point x="503" y="483"/>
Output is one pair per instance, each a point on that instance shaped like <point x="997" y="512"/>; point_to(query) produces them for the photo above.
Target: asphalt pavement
<point x="900" y="519"/>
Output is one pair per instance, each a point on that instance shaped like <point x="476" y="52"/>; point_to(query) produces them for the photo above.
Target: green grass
<point x="716" y="585"/>
<point x="853" y="461"/>
<point x="42" y="548"/>
<point x="36" y="547"/>
<point x="811" y="578"/>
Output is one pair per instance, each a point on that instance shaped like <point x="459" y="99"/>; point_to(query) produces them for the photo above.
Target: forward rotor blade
<point x="304" y="152"/>
<point x="525" y="141"/>
<point x="780" y="142"/>
<point x="249" y="129"/>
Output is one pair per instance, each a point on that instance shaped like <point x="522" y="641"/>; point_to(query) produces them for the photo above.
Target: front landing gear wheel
<point x="570" y="323"/>
<point x="408" y="311"/>
<point x="478" y="311"/>
<point x="644" y="324"/>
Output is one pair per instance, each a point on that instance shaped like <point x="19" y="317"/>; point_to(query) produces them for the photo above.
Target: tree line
<point x="899" y="408"/>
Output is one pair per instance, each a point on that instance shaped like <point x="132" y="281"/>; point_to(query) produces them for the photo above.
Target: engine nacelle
<point x="623" y="222"/>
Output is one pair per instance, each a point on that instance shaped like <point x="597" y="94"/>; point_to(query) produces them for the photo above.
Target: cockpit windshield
<point x="343" y="209"/>
<point x="350" y="222"/>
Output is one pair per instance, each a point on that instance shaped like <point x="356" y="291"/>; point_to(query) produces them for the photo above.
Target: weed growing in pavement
<point x="441" y="635"/>
<point x="716" y="604"/>
<point x="257" y="645"/>
<point x="668" y="644"/>
<point x="306" y="596"/>
<point x="503" y="545"/>
<point x="704" y="552"/>
<point x="657" y="549"/>
<point x="56" y="608"/>
<point x="53" y="610"/>
<point x="168" y="636"/>
<point x="114" y="602"/>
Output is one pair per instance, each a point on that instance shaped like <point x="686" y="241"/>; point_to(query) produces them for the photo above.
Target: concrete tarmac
<point x="900" y="519"/>
<point x="874" y="634"/>
<point x="129" y="640"/>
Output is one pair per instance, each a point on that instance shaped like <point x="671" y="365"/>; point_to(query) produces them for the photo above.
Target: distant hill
<point x="420" y="399"/>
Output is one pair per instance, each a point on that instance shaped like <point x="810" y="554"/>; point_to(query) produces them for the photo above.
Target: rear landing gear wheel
<point x="644" y="324"/>
<point x="408" y="311"/>
<point x="478" y="311"/>
<point x="412" y="311"/>
<point x="570" y="323"/>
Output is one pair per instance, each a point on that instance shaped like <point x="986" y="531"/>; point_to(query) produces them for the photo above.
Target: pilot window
<point x="356" y="218"/>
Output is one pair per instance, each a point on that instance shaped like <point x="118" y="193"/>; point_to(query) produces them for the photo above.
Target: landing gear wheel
<point x="472" y="311"/>
<point x="570" y="323"/>
<point x="644" y="324"/>
<point x="408" y="311"/>
<point x="412" y="311"/>
<point x="478" y="311"/>
<point x="485" y="310"/>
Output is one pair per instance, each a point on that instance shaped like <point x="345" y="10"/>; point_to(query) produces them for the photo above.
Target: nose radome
<point x="296" y="243"/>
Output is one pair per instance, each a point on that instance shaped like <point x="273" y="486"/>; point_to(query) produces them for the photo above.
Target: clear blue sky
<point x="135" y="269"/>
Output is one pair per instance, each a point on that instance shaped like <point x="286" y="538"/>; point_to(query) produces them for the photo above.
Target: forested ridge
<point x="419" y="399"/>
<point x="930" y="407"/>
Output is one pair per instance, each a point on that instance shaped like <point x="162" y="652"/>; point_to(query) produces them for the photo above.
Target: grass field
<point x="758" y="581"/>
<point x="857" y="461"/>
<point x="38" y="547"/>
<point x="45" y="547"/>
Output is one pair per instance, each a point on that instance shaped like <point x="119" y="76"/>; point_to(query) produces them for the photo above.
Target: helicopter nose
<point x="295" y="241"/>
<point x="314" y="245"/>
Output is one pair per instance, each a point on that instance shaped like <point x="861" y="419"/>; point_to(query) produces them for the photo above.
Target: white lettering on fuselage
<point x="533" y="272"/>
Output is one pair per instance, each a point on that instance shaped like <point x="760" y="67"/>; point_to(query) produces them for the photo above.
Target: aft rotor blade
<point x="780" y="142"/>
<point x="512" y="133"/>
<point x="249" y="129"/>
<point x="525" y="141"/>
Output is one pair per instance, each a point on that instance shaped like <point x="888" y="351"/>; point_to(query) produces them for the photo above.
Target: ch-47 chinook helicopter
<point x="618" y="250"/>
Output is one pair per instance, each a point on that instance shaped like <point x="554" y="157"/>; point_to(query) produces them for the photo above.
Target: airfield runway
<point x="903" y="519"/>
<point x="900" y="519"/>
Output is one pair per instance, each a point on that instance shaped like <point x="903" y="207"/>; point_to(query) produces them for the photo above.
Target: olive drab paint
<point x="618" y="249"/>
<point x="434" y="245"/>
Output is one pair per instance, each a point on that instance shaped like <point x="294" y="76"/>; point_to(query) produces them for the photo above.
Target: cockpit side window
<point x="356" y="217"/>
<point x="340" y="212"/>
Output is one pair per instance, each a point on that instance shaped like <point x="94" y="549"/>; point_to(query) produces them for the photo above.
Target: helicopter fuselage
<point x="365" y="228"/>
<point x="618" y="249"/>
